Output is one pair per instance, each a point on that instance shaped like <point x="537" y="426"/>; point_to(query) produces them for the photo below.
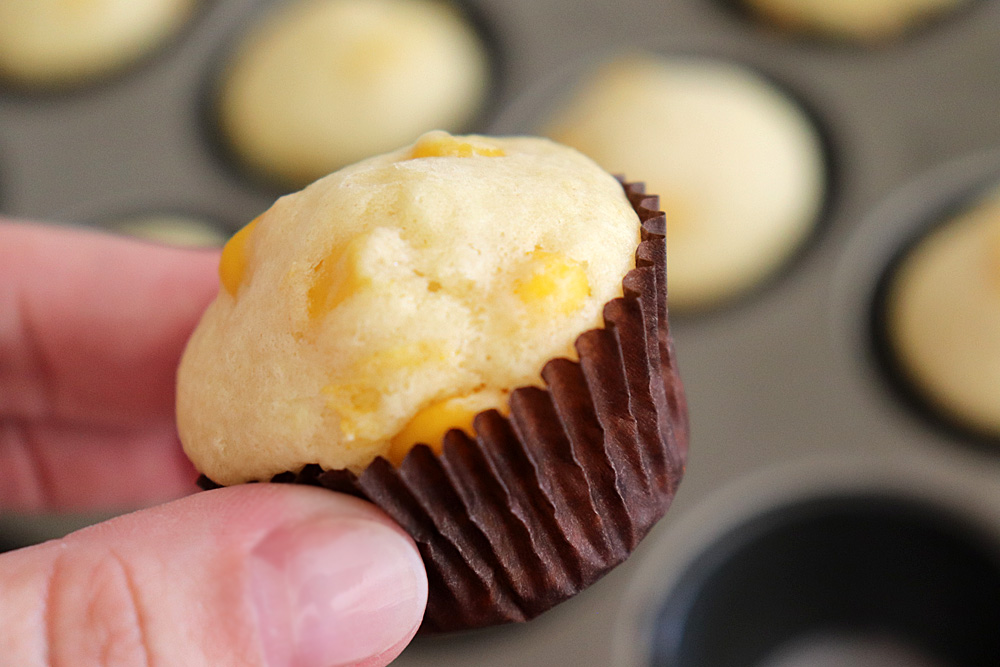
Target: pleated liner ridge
<point x="540" y="505"/>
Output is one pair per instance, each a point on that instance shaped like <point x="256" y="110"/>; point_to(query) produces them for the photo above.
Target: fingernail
<point x="335" y="592"/>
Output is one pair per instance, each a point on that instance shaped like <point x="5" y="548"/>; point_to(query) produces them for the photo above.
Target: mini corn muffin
<point x="398" y="297"/>
<point x="854" y="20"/>
<point x="319" y="84"/>
<point x="49" y="43"/>
<point x="943" y="317"/>
<point x="739" y="167"/>
<point x="469" y="332"/>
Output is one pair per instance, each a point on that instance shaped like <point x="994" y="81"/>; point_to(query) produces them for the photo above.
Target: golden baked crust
<point x="393" y="287"/>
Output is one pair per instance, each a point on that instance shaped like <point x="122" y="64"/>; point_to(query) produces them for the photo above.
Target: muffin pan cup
<point x="542" y="504"/>
<point x="825" y="562"/>
<point x="857" y="567"/>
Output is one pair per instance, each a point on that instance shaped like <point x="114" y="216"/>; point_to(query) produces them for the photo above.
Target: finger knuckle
<point x="95" y="616"/>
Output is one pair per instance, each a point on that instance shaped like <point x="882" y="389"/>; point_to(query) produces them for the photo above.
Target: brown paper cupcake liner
<point x="541" y="504"/>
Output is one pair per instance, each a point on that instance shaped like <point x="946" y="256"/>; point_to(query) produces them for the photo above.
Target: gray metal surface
<point x="785" y="399"/>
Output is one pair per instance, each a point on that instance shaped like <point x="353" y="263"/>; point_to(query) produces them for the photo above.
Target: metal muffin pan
<point x="793" y="420"/>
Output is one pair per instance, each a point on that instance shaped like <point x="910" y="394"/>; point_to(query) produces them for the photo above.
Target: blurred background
<point x="830" y="171"/>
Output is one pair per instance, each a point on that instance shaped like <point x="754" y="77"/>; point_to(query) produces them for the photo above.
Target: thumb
<point x="262" y="575"/>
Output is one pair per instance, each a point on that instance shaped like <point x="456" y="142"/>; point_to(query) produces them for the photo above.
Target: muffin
<point x="871" y="21"/>
<point x="470" y="332"/>
<point x="739" y="167"/>
<point x="319" y="84"/>
<point x="51" y="43"/>
<point x="942" y="317"/>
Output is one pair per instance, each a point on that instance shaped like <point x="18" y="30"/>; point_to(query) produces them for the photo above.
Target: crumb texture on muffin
<point x="369" y="311"/>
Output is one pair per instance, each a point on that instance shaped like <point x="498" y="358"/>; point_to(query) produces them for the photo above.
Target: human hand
<point x="91" y="331"/>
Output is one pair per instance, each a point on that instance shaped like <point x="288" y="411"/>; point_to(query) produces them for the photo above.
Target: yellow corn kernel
<point x="555" y="284"/>
<point x="336" y="278"/>
<point x="233" y="263"/>
<point x="442" y="144"/>
<point x="429" y="427"/>
<point x="357" y="398"/>
<point x="406" y="356"/>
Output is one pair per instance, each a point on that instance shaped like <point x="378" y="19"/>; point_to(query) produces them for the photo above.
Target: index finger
<point x="92" y="326"/>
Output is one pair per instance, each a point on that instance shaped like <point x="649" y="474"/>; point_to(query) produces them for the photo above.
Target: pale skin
<point x="91" y="331"/>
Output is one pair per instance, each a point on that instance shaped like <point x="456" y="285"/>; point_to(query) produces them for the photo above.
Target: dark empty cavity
<point x="853" y="580"/>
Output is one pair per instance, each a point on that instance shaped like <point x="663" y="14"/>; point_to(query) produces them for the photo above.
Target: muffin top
<point x="861" y="20"/>
<point x="319" y="84"/>
<point x="944" y="316"/>
<point x="49" y="43"/>
<point x="739" y="167"/>
<point x="396" y="298"/>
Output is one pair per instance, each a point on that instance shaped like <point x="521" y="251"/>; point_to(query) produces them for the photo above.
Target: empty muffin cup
<point x="836" y="580"/>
